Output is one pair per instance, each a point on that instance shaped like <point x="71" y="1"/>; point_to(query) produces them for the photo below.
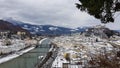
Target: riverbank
<point x="47" y="61"/>
<point x="18" y="53"/>
<point x="15" y="55"/>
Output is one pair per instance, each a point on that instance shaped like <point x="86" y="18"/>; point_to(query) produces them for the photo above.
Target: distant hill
<point x="49" y="29"/>
<point x="57" y="30"/>
<point x="45" y="29"/>
<point x="7" y="26"/>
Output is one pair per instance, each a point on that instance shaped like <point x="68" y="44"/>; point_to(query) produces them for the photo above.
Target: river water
<point x="30" y="59"/>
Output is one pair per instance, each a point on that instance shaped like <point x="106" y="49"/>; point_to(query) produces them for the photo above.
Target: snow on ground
<point x="16" y="45"/>
<point x="15" y="55"/>
<point x="53" y="28"/>
<point x="59" y="62"/>
<point x="81" y="48"/>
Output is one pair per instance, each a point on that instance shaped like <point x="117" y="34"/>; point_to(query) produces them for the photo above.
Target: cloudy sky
<point x="53" y="12"/>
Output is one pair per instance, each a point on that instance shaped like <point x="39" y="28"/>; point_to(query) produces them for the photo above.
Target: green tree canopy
<point x="100" y="9"/>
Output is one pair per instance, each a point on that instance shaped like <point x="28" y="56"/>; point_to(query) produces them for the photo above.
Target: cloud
<point x="54" y="12"/>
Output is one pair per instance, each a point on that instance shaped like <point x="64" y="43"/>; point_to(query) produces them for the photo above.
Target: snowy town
<point x="79" y="51"/>
<point x="59" y="33"/>
<point x="90" y="49"/>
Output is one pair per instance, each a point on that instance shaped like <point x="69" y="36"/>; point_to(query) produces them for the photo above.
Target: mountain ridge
<point x="45" y="29"/>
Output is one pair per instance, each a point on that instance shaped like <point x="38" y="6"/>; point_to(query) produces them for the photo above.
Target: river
<point x="30" y="59"/>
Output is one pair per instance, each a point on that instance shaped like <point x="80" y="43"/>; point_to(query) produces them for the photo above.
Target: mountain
<point x="45" y="29"/>
<point x="48" y="29"/>
<point x="7" y="26"/>
<point x="14" y="22"/>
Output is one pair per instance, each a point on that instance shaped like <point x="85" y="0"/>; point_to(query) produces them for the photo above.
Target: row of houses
<point x="8" y="34"/>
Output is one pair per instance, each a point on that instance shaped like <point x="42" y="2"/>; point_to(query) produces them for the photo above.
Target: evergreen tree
<point x="100" y="9"/>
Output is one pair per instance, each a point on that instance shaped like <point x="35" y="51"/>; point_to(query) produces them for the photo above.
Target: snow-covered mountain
<point x="14" y="22"/>
<point x="49" y="29"/>
<point x="44" y="29"/>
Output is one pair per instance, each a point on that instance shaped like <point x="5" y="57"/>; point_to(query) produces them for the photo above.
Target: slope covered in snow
<point x="44" y="29"/>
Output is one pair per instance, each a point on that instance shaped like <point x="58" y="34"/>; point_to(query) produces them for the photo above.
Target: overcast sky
<point x="53" y="12"/>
